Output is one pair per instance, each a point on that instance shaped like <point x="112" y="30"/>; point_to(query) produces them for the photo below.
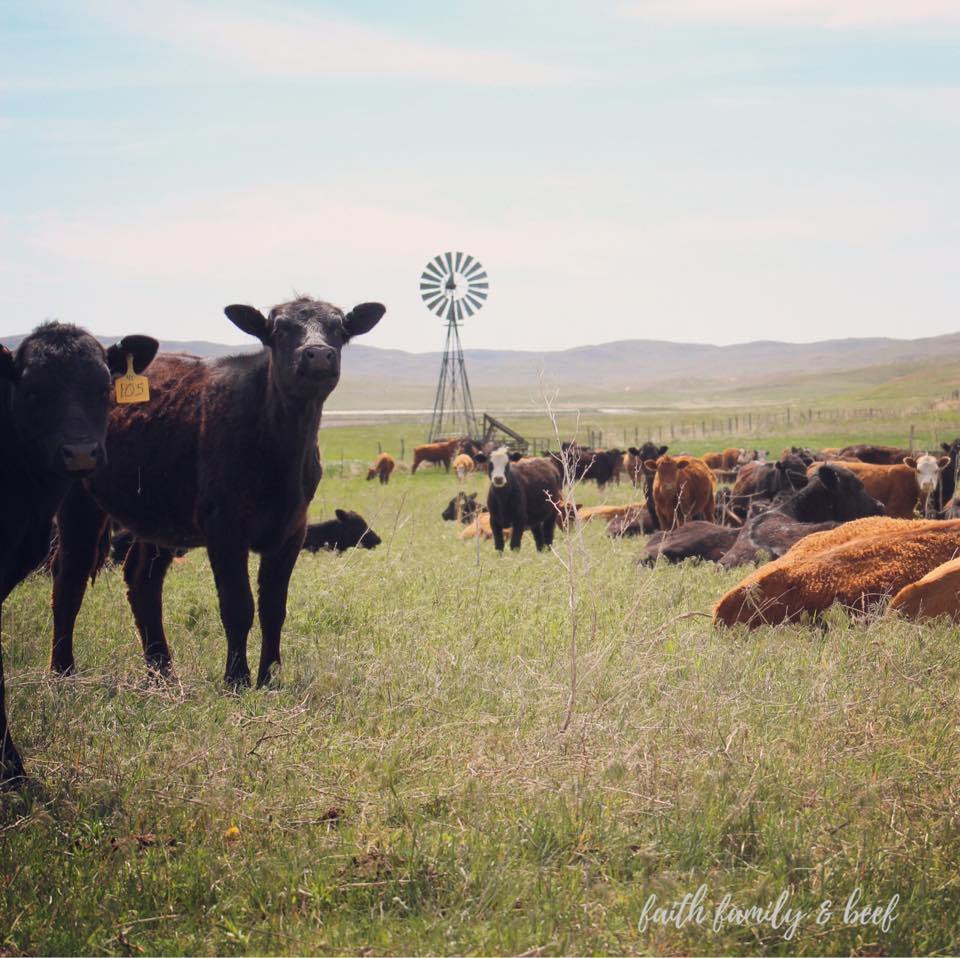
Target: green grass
<point x="408" y="787"/>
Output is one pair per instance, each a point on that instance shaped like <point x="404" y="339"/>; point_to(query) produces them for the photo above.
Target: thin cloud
<point x="282" y="42"/>
<point x="825" y="14"/>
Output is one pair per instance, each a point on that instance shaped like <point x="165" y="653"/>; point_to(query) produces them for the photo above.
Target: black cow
<point x="761" y="483"/>
<point x="948" y="476"/>
<point x="348" y="530"/>
<point x="462" y="507"/>
<point x="224" y="456"/>
<point x="522" y="495"/>
<point x="55" y="394"/>
<point x="835" y="495"/>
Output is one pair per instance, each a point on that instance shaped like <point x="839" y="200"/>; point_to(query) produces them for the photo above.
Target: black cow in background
<point x="522" y="495"/>
<point x="55" y="394"/>
<point x="462" y="507"/>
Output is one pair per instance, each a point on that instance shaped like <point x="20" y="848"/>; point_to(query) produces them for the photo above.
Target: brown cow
<point x="936" y="594"/>
<point x="382" y="466"/>
<point x="683" y="488"/>
<point x="463" y="465"/>
<point x="856" y="564"/>
<point x="900" y="488"/>
<point x="436" y="452"/>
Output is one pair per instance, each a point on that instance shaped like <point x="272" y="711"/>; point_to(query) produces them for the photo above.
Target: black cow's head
<point x="354" y="531"/>
<point x="849" y="500"/>
<point x="59" y="389"/>
<point x="305" y="338"/>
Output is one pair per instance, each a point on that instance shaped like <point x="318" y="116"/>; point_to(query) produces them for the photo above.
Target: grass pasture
<point x="409" y="786"/>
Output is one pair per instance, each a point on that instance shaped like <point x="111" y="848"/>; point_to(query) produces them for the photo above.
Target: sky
<point x="691" y="170"/>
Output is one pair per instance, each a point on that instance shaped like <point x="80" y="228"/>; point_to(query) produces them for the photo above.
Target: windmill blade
<point x="456" y="261"/>
<point x="479" y="286"/>
<point x="433" y="304"/>
<point x="475" y="303"/>
<point x="449" y="259"/>
<point x="439" y="261"/>
<point x="468" y="259"/>
<point x="430" y="284"/>
<point x="431" y="272"/>
<point x="477" y="265"/>
<point x="466" y="306"/>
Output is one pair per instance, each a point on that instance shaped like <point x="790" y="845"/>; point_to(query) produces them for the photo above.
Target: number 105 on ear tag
<point x="132" y="388"/>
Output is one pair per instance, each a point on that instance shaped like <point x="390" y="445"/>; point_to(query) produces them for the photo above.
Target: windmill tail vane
<point x="453" y="286"/>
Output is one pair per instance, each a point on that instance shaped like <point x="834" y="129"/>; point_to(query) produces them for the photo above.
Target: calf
<point x="223" y="456"/>
<point x="382" y="466"/>
<point x="55" y="394"/>
<point x="461" y="508"/>
<point x="436" y="452"/>
<point x="347" y="531"/>
<point x="634" y="458"/>
<point x="463" y="466"/>
<point x="522" y="495"/>
<point x="683" y="489"/>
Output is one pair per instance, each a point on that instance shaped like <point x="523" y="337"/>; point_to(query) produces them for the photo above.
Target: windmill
<point x="454" y="286"/>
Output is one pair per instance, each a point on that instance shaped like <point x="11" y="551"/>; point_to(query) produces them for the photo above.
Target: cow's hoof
<point x="159" y="666"/>
<point x="64" y="668"/>
<point x="237" y="681"/>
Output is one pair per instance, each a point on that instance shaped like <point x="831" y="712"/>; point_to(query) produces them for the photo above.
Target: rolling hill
<point x="641" y="372"/>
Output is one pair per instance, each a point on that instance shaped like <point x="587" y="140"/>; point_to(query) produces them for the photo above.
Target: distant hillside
<point x="644" y="372"/>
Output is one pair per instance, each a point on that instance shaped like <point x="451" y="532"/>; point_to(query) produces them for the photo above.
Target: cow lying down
<point x="858" y="564"/>
<point x="833" y="497"/>
<point x="349" y="529"/>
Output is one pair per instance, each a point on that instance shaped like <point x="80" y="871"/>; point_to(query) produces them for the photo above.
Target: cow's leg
<point x="11" y="767"/>
<point x="81" y="523"/>
<point x="496" y="527"/>
<point x="516" y="533"/>
<point x="549" y="524"/>
<point x="273" y="581"/>
<point x="228" y="559"/>
<point x="537" y="531"/>
<point x="143" y="571"/>
<point x="709" y="509"/>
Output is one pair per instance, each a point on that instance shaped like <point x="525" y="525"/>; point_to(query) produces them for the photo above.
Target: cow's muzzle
<point x="319" y="361"/>
<point x="499" y="481"/>
<point x="81" y="456"/>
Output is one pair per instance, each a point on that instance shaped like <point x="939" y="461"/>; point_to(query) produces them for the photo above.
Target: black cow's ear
<point x="251" y="321"/>
<point x="340" y="514"/>
<point x="633" y="451"/>
<point x="361" y="319"/>
<point x="663" y="450"/>
<point x="780" y="464"/>
<point x="8" y="369"/>
<point x="828" y="476"/>
<point x="944" y="447"/>
<point x="141" y="348"/>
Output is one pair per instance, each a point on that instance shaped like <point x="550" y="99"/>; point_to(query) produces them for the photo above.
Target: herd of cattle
<point x="222" y="453"/>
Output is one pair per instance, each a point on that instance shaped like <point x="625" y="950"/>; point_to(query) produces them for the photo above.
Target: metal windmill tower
<point x="454" y="286"/>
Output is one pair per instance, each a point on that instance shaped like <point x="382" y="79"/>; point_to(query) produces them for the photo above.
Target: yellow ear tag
<point x="132" y="388"/>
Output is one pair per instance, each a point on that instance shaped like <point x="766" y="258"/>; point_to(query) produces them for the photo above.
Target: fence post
<point x="401" y="449"/>
<point x="379" y="448"/>
<point x="911" y="438"/>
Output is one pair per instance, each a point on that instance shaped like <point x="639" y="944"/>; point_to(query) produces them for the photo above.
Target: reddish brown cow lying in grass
<point x="857" y="564"/>
<point x="437" y="452"/>
<point x="224" y="456"/>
